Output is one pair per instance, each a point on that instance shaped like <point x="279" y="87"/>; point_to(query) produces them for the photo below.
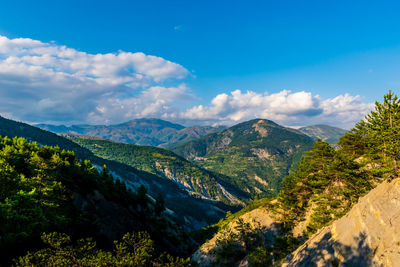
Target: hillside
<point x="166" y="164"/>
<point x="324" y="132"/>
<point x="191" y="133"/>
<point x="193" y="212"/>
<point x="150" y="132"/>
<point x="254" y="155"/>
<point x="46" y="189"/>
<point x="329" y="200"/>
<point x="324" y="186"/>
<point x="368" y="235"/>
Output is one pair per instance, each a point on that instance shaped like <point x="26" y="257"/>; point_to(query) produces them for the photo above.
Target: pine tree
<point x="355" y="142"/>
<point x="383" y="126"/>
<point x="159" y="206"/>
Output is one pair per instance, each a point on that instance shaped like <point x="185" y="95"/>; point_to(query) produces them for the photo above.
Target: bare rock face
<point x="369" y="235"/>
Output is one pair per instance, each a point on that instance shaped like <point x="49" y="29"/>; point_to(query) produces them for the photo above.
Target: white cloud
<point x="154" y="102"/>
<point x="285" y="107"/>
<point x="47" y="82"/>
<point x="107" y="69"/>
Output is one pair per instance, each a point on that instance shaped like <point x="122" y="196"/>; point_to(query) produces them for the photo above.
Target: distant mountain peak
<point x="258" y="121"/>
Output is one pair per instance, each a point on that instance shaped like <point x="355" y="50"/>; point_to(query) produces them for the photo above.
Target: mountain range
<point x="214" y="174"/>
<point x="192" y="211"/>
<point x="254" y="163"/>
<point x="161" y="133"/>
<point x="209" y="187"/>
<point x="227" y="176"/>
<point x="150" y="132"/>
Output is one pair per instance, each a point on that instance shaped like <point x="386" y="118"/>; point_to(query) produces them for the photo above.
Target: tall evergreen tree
<point x="383" y="126"/>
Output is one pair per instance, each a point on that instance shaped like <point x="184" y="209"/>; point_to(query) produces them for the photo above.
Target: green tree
<point x="159" y="206"/>
<point x="135" y="249"/>
<point x="383" y="126"/>
<point x="355" y="142"/>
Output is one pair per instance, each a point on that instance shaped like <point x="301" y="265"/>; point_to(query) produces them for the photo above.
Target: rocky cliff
<point x="368" y="235"/>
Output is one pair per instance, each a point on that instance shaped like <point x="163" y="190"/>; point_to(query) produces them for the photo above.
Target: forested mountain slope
<point x="166" y="164"/>
<point x="46" y="189"/>
<point x="324" y="187"/>
<point x="254" y="155"/>
<point x="324" y="132"/>
<point x="192" y="211"/>
<point x="151" y="132"/>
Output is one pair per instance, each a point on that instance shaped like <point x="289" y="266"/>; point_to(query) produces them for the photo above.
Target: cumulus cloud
<point x="48" y="82"/>
<point x="154" y="102"/>
<point x="285" y="107"/>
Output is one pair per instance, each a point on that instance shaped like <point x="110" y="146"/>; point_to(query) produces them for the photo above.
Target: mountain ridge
<point x="152" y="131"/>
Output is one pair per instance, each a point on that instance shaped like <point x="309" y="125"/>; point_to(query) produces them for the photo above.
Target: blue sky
<point x="325" y="49"/>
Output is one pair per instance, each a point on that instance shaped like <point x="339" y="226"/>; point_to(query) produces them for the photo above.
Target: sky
<point x="197" y="62"/>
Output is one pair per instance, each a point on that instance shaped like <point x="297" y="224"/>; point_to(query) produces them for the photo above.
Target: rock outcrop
<point x="368" y="235"/>
<point x="259" y="218"/>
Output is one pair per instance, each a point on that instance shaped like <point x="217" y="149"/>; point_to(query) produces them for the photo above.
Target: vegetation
<point x="254" y="156"/>
<point x="205" y="233"/>
<point x="325" y="185"/>
<point x="327" y="181"/>
<point x="165" y="164"/>
<point x="60" y="208"/>
<point x="330" y="181"/>
<point x="190" y="210"/>
<point x="134" y="250"/>
<point x="46" y="189"/>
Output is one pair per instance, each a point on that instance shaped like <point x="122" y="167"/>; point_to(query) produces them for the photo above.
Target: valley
<point x="253" y="194"/>
<point x="192" y="211"/>
<point x="199" y="133"/>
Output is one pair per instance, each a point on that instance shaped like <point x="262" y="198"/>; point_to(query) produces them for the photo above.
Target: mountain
<point x="151" y="132"/>
<point x="325" y="185"/>
<point x="165" y="163"/>
<point x="324" y="132"/>
<point x="254" y="155"/>
<point x="339" y="207"/>
<point x="192" y="211"/>
<point x="191" y="133"/>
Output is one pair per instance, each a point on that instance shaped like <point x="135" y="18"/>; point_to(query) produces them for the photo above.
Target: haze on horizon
<point x="96" y="62"/>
